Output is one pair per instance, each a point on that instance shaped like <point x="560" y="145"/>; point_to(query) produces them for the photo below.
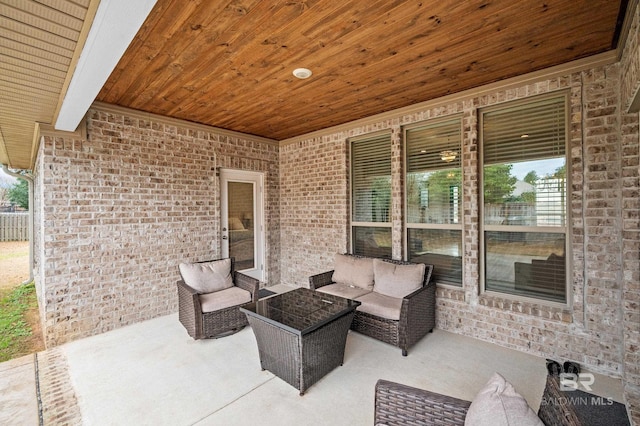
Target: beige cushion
<point x="224" y="298"/>
<point x="235" y="224"/>
<point x="499" y="404"/>
<point x="207" y="277"/>
<point x="342" y="290"/>
<point x="380" y="305"/>
<point x="397" y="280"/>
<point x="353" y="271"/>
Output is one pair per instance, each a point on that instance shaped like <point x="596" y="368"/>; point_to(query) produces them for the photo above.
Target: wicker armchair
<point x="417" y="315"/>
<point x="401" y="405"/>
<point x="202" y="324"/>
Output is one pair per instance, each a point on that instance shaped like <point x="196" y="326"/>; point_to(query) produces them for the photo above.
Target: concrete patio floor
<point x="153" y="373"/>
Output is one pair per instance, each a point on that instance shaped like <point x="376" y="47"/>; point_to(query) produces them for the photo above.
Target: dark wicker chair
<point x="203" y="325"/>
<point x="401" y="405"/>
<point x="417" y="315"/>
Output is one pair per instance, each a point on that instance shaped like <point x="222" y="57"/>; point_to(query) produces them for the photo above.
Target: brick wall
<point x="120" y="209"/>
<point x="603" y="148"/>
<point x="630" y="172"/>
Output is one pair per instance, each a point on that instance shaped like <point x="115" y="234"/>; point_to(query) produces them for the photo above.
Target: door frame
<point x="257" y="179"/>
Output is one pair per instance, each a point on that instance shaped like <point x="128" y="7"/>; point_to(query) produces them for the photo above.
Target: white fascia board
<point x="115" y="25"/>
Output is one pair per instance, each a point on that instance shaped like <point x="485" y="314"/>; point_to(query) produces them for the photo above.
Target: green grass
<point x="14" y="330"/>
<point x="14" y="254"/>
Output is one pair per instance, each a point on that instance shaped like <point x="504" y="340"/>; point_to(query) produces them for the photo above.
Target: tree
<point x="560" y="172"/>
<point x="531" y="177"/>
<point x="498" y="183"/>
<point x="19" y="193"/>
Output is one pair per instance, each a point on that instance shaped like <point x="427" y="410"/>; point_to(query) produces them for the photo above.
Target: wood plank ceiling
<point x="229" y="63"/>
<point x="38" y="45"/>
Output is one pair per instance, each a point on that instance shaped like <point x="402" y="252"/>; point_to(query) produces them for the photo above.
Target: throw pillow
<point x="207" y="277"/>
<point x="397" y="280"/>
<point x="235" y="224"/>
<point x="353" y="271"/>
<point x="499" y="404"/>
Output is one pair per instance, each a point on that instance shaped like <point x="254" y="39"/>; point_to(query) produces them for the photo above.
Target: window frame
<point x="351" y="211"/>
<point x="566" y="229"/>
<point x="434" y="226"/>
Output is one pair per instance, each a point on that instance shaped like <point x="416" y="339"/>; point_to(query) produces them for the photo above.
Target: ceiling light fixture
<point x="448" y="156"/>
<point x="302" y="73"/>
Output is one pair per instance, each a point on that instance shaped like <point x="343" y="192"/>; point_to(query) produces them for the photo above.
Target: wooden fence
<point x="14" y="226"/>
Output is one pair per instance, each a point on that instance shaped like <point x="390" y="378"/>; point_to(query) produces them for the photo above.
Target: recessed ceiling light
<point x="302" y="73"/>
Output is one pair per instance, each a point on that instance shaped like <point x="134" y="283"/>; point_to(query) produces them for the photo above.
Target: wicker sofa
<point x="400" y="405"/>
<point x="399" y="312"/>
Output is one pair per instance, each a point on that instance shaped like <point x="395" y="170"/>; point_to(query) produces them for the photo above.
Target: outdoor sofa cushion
<point x="380" y="305"/>
<point x="353" y="271"/>
<point x="226" y="298"/>
<point x="343" y="290"/>
<point x="207" y="277"/>
<point x="397" y="280"/>
<point x="499" y="404"/>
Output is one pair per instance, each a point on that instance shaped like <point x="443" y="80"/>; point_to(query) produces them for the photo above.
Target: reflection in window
<point x="434" y="198"/>
<point x="524" y="198"/>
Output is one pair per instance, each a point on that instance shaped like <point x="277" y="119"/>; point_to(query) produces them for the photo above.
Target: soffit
<point x="38" y="47"/>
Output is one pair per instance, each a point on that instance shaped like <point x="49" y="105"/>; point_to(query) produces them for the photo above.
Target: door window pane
<point x="241" y="224"/>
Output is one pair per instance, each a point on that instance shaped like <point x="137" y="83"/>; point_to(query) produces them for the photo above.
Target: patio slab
<point x="153" y="373"/>
<point x="18" y="397"/>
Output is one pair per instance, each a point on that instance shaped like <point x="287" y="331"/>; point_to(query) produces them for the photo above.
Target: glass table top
<point x="300" y="310"/>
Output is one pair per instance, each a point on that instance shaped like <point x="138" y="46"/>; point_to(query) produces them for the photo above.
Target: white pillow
<point x="499" y="404"/>
<point x="207" y="277"/>
<point x="397" y="280"/>
<point x="353" y="271"/>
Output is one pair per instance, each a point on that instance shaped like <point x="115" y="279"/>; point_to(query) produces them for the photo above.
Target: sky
<point x="5" y="179"/>
<point x="542" y="167"/>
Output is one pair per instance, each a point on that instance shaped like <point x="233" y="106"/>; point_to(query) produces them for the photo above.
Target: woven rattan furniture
<point x="417" y="315"/>
<point x="301" y="334"/>
<point x="400" y="405"/>
<point x="218" y="323"/>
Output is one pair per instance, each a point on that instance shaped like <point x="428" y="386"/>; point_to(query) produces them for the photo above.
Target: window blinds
<point x="426" y="146"/>
<point x="535" y="130"/>
<point x="371" y="179"/>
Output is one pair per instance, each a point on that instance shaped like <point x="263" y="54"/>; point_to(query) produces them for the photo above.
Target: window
<point x="524" y="198"/>
<point x="434" y="198"/>
<point x="371" y="196"/>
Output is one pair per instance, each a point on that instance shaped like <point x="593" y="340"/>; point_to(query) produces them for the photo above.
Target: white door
<point x="242" y="226"/>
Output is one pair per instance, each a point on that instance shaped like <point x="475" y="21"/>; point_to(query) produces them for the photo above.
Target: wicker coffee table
<point x="301" y="334"/>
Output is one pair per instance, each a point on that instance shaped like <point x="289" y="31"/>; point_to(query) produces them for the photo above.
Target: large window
<point x="371" y="196"/>
<point x="524" y="198"/>
<point x="434" y="198"/>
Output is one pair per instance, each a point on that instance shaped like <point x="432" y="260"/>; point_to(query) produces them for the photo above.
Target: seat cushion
<point x="380" y="305"/>
<point x="397" y="280"/>
<point x="207" y="277"/>
<point x="353" y="271"/>
<point x="498" y="404"/>
<point x="343" y="290"/>
<point x="224" y="299"/>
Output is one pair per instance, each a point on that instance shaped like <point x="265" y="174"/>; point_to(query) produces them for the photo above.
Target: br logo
<point x="572" y="382"/>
